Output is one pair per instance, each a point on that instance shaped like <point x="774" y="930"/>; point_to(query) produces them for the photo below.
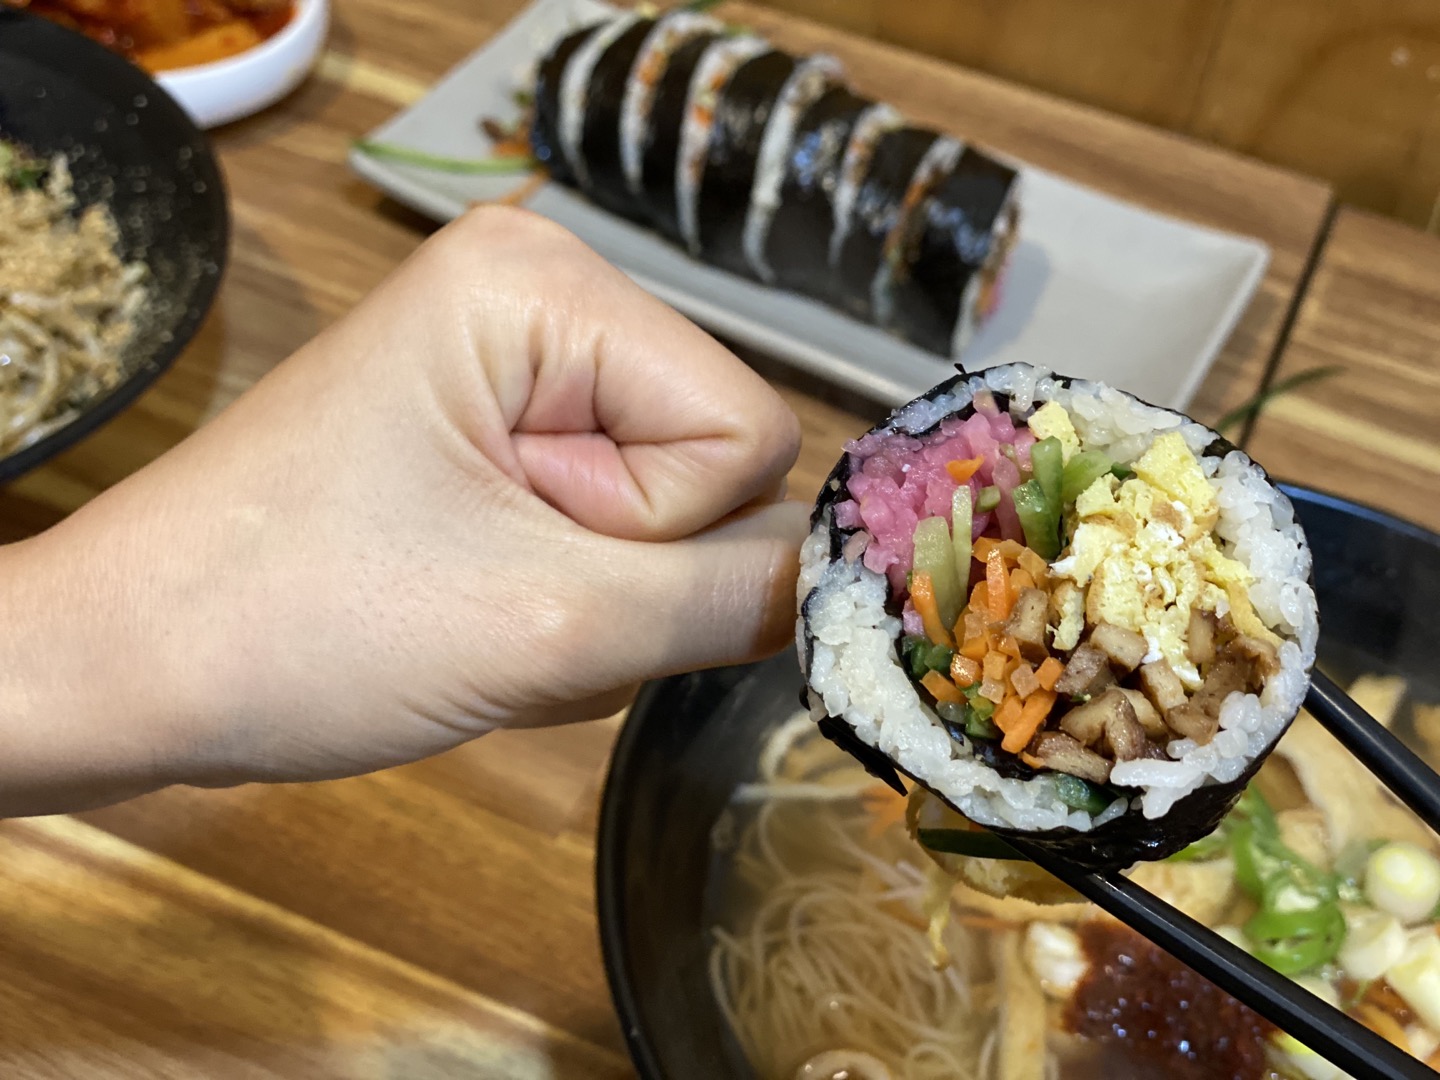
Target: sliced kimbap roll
<point x="809" y="80"/>
<point x="575" y="93"/>
<point x="664" y="134"/>
<point x="600" y="146"/>
<point x="895" y="255"/>
<point x="545" y="140"/>
<point x="720" y="64"/>
<point x="669" y="34"/>
<point x="878" y="205"/>
<point x="948" y="262"/>
<point x="1071" y="615"/>
<point x="797" y="241"/>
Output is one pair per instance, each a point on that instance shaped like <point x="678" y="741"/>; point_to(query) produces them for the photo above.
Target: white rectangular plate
<point x="1098" y="288"/>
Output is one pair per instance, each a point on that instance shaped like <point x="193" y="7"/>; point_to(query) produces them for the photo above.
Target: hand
<point x="505" y="489"/>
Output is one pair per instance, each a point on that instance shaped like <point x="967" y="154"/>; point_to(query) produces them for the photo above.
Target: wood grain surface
<point x="1343" y="90"/>
<point x="354" y="927"/>
<point x="1370" y="431"/>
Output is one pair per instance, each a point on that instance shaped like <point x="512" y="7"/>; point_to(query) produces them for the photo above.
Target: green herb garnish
<point x="1256" y="405"/>
<point x="403" y="155"/>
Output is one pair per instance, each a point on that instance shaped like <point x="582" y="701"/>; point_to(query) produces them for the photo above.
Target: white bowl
<point x="215" y="94"/>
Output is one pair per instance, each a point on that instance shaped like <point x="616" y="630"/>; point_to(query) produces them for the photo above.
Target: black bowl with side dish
<point x="690" y="740"/>
<point x="131" y="147"/>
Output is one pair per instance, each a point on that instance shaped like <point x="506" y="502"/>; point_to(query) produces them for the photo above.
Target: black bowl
<point x="133" y="148"/>
<point x="691" y="739"/>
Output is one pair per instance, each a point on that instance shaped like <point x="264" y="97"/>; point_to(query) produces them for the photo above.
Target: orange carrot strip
<point x="973" y="624"/>
<point x="1008" y="715"/>
<point x="922" y="595"/>
<point x="1048" y="673"/>
<point x="1020" y="579"/>
<point x="962" y="470"/>
<point x="1011" y="549"/>
<point x="975" y="648"/>
<point x="1383" y="1024"/>
<point x="994" y="665"/>
<point x="1031" y="760"/>
<point x="1009" y="646"/>
<point x="1032" y="717"/>
<point x="964" y="670"/>
<point x="941" y="688"/>
<point x="980" y="600"/>
<point x="999" y="598"/>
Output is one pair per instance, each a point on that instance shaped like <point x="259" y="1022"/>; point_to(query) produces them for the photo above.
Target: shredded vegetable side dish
<point x="68" y="301"/>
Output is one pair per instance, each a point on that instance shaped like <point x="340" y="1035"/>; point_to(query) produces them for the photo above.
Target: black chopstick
<point x="1396" y="766"/>
<point x="1286" y="1004"/>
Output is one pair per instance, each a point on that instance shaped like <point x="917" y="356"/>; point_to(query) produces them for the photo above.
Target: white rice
<point x="855" y="672"/>
<point x="575" y="92"/>
<point x="720" y="61"/>
<point x="669" y="34"/>
<point x="940" y="158"/>
<point x="810" y="79"/>
<point x="873" y="123"/>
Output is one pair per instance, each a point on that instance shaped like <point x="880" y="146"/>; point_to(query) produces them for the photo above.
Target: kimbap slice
<point x="808" y="82"/>
<point x="797" y="241"/>
<point x="600" y="132"/>
<point x="545" y="141"/>
<point x="664" y="130"/>
<point x="874" y="123"/>
<point x="878" y="206"/>
<point x="667" y="36"/>
<point x="575" y="93"/>
<point x="896" y="255"/>
<point x="1070" y="615"/>
<point x="948" y="264"/>
<point x="720" y="64"/>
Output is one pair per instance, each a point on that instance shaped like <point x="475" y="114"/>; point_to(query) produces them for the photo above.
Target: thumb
<point x="722" y="596"/>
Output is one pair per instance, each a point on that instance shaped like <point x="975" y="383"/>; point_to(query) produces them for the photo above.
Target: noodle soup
<point x="842" y="948"/>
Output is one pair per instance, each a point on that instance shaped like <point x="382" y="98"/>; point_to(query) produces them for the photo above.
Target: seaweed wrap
<point x="600" y="129"/>
<point x="669" y="34"/>
<point x="797" y="242"/>
<point x="664" y="131"/>
<point x="895" y="254"/>
<point x="948" y="261"/>
<point x="545" y="141"/>
<point x="1070" y="615"/>
<point x="724" y="174"/>
<point x="575" y="93"/>
<point x="876" y="210"/>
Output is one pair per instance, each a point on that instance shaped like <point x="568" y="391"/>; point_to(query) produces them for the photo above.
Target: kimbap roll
<point x="806" y="215"/>
<point x="669" y="34"/>
<point x="575" y="93"/>
<point x="545" y="140"/>
<point x="659" y="150"/>
<point x="600" y="129"/>
<point x="1071" y="615"/>
<point x="948" y="257"/>
<point x="879" y="202"/>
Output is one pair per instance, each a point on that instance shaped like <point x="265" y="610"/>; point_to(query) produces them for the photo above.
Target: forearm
<point x="87" y="706"/>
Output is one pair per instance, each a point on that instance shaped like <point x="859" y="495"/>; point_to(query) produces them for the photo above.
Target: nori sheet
<point x="877" y="210"/>
<point x="545" y="127"/>
<point x="798" y="244"/>
<point x="600" y="136"/>
<point x="741" y="113"/>
<point x="662" y="135"/>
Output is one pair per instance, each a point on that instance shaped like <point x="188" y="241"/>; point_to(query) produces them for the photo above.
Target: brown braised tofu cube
<point x="1027" y="623"/>
<point x="1226" y="677"/>
<point x="1085" y="672"/>
<point x="1063" y="754"/>
<point x="1200" y="637"/>
<point x="1123" y="648"/>
<point x="1189" y="722"/>
<point x="1089" y="722"/>
<point x="1124" y="735"/>
<point x="1147" y="715"/>
<point x="1260" y="653"/>
<point x="1162" y="686"/>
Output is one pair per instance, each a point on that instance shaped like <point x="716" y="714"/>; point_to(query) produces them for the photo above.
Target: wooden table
<point x="434" y="920"/>
<point x="1369" y="431"/>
